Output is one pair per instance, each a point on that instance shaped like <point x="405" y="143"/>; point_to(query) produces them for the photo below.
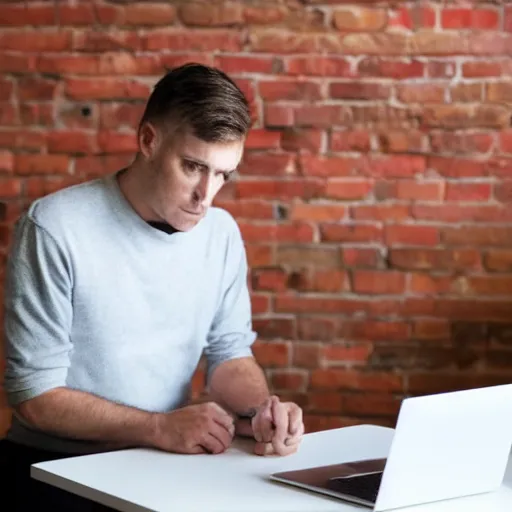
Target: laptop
<point x="446" y="445"/>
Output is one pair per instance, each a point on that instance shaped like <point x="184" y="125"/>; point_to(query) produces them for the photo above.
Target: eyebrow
<point x="205" y="164"/>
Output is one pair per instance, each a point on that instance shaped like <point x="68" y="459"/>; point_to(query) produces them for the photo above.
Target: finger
<point x="225" y="437"/>
<point x="295" y="418"/>
<point x="263" y="424"/>
<point x="221" y="416"/>
<point x="197" y="449"/>
<point x="295" y="438"/>
<point x="263" y="449"/>
<point x="281" y="421"/>
<point x="212" y="444"/>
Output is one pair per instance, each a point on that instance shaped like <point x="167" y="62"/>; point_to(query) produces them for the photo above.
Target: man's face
<point x="186" y="173"/>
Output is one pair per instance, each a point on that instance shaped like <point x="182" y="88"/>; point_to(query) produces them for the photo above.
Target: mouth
<point x="195" y="213"/>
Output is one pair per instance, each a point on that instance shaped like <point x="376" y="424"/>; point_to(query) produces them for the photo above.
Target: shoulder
<point x="68" y="207"/>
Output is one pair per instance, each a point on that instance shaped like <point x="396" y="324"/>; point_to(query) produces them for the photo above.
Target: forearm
<point x="240" y="386"/>
<point x="79" y="415"/>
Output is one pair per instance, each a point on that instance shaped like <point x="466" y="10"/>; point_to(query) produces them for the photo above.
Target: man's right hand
<point x="201" y="428"/>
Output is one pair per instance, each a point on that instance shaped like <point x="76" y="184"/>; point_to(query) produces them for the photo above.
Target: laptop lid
<point x="448" y="445"/>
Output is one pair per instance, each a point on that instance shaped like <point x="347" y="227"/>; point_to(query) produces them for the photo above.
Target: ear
<point x="148" y="140"/>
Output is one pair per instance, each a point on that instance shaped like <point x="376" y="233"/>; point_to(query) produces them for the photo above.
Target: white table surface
<point x="237" y="480"/>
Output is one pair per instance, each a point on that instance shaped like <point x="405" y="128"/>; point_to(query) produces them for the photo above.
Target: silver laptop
<point x="447" y="445"/>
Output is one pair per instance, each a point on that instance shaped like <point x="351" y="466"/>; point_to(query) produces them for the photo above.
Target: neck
<point x="136" y="192"/>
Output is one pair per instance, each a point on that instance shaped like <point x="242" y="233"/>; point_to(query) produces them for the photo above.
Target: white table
<point x="143" y="479"/>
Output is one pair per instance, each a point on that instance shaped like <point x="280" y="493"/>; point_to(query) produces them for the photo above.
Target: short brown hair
<point x="202" y="98"/>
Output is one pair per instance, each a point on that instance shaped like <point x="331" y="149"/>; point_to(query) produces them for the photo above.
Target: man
<point x="116" y="287"/>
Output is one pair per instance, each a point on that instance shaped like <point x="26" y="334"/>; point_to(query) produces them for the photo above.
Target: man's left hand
<point x="278" y="427"/>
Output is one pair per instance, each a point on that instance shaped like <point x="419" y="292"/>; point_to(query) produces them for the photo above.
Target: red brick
<point x="409" y="190"/>
<point x="465" y="116"/>
<point x="8" y="114"/>
<point x="22" y="139"/>
<point x="76" y="64"/>
<point x="6" y="161"/>
<point x="320" y="116"/>
<point x="233" y="64"/>
<point x="277" y="115"/>
<point x="359" y="19"/>
<point x="397" y="68"/>
<point x="374" y="330"/>
<point x="269" y="279"/>
<point x="105" y="41"/>
<point x="393" y="212"/>
<point x="460" y="18"/>
<point x="47" y="41"/>
<point x="326" y="281"/>
<point x="295" y="232"/>
<point x="39" y="186"/>
<point x="319" y="66"/>
<point x="503" y="191"/>
<point x="16" y="63"/>
<point x="449" y="142"/>
<point x="150" y="14"/>
<point x="498" y="260"/>
<point x="37" y="113"/>
<point x="105" y="88"/>
<point x="327" y="402"/>
<point x="205" y="14"/>
<point x="348" y="188"/>
<point x="359" y="91"/>
<point x="6" y="88"/>
<point x="499" y="92"/>
<point x="402" y="141"/>
<point x="327" y="166"/>
<point x="9" y="187"/>
<point x="441" y="382"/>
<point x="267" y="164"/>
<point x="263" y="139"/>
<point x="274" y="90"/>
<point x="192" y="41"/>
<point x="71" y="142"/>
<point x="343" y="353"/>
<point x="264" y="15"/>
<point x="354" y="232"/>
<point x="260" y="303"/>
<point x="42" y="164"/>
<point x="457" y="167"/>
<point x="123" y="64"/>
<point x="120" y="115"/>
<point x="466" y="92"/>
<point x="362" y="257"/>
<point x="481" y="69"/>
<point x="426" y="284"/>
<point x="96" y="166"/>
<point x="21" y="15"/>
<point x="436" y="259"/>
<point x="275" y="328"/>
<point x="317" y="257"/>
<point x="421" y="93"/>
<point x="30" y="88"/>
<point x="81" y="15"/>
<point x="378" y="283"/>
<point x="353" y="380"/>
<point x="441" y="69"/>
<point x="306" y="355"/>
<point x="269" y="40"/>
<point x="270" y="189"/>
<point x="507" y="22"/>
<point x="411" y="235"/>
<point x="430" y="329"/>
<point x="316" y="328"/>
<point x="477" y="235"/>
<point x="274" y="354"/>
<point x="350" y="140"/>
<point x="394" y="166"/>
<point x="468" y="191"/>
<point x="298" y="139"/>
<point x="462" y="213"/>
<point x="115" y="142"/>
<point x="317" y="212"/>
<point x="259" y="255"/>
<point x="248" y="209"/>
<point x="364" y="404"/>
<point x="414" y="17"/>
<point x="288" y="379"/>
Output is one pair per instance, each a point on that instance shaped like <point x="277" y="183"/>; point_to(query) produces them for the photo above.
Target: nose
<point x="202" y="189"/>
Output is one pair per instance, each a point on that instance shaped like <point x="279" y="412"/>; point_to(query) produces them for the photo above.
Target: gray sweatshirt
<point x="98" y="300"/>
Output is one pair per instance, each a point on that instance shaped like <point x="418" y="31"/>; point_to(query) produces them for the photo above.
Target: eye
<point x="191" y="166"/>
<point x="228" y="175"/>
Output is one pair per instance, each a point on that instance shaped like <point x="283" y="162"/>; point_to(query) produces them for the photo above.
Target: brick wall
<point x="375" y="194"/>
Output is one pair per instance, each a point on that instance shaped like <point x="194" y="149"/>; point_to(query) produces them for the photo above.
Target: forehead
<point x="217" y="155"/>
